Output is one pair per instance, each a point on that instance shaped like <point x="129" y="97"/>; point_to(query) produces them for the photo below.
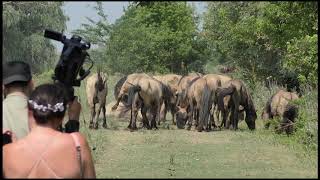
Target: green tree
<point x="254" y="35"/>
<point x="23" y="28"/>
<point x="302" y="58"/>
<point x="149" y="37"/>
<point x="158" y="37"/>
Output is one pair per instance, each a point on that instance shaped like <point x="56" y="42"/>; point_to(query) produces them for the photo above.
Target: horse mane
<point x="248" y="103"/>
<point x="100" y="83"/>
<point x="119" y="85"/>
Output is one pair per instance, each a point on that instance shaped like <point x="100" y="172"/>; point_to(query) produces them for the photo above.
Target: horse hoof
<point x="105" y="126"/>
<point x="188" y="128"/>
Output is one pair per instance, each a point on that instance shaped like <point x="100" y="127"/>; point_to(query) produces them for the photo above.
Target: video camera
<point x="70" y="65"/>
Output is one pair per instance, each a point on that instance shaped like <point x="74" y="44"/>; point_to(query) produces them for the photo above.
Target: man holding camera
<point x="17" y="86"/>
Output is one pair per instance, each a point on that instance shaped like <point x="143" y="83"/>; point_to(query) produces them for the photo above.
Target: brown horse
<point x="277" y="105"/>
<point x="147" y="93"/>
<point x="170" y="80"/>
<point x="239" y="95"/>
<point x="197" y="97"/>
<point x="97" y="90"/>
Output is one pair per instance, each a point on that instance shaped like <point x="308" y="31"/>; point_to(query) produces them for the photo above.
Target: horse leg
<point x="93" y="114"/>
<point x="163" y="109"/>
<point x="200" y="124"/>
<point x="172" y="109"/>
<point x="96" y="124"/>
<point x="104" y="117"/>
<point x="224" y="118"/>
<point x="134" y="111"/>
<point x="236" y="118"/>
<point x="157" y="113"/>
<point x="197" y="117"/>
<point x="190" y="116"/>
<point x="145" y="122"/>
<point x="227" y="119"/>
<point x="212" y="121"/>
<point x="232" y="119"/>
<point x="235" y="114"/>
<point x="153" y="119"/>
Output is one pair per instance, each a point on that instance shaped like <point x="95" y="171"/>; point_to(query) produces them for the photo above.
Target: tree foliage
<point x="23" y="27"/>
<point x="156" y="36"/>
<point x="302" y="57"/>
<point x="254" y="35"/>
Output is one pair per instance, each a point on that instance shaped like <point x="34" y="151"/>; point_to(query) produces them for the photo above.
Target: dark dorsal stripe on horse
<point x="181" y="79"/>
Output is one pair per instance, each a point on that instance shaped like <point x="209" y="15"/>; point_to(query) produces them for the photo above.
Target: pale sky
<point x="77" y="11"/>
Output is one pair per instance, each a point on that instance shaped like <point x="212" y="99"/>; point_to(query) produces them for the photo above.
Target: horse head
<point x="181" y="117"/>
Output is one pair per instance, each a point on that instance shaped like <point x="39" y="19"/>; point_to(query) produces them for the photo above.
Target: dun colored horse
<point x="143" y="92"/>
<point x="170" y="80"/>
<point x="277" y="105"/>
<point x="183" y="84"/>
<point x="97" y="90"/>
<point x="197" y="97"/>
<point x="239" y="95"/>
<point x="214" y="81"/>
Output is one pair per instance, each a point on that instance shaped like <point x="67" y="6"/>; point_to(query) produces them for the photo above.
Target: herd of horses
<point x="198" y="98"/>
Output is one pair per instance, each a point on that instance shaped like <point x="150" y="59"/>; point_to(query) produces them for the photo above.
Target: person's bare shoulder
<point x="82" y="139"/>
<point x="12" y="151"/>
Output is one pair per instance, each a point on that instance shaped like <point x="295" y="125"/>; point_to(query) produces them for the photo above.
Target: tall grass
<point x="306" y="124"/>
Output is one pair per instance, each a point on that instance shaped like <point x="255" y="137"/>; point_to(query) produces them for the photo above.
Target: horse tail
<point x="267" y="108"/>
<point x="131" y="93"/>
<point x="167" y="94"/>
<point x="204" y="107"/>
<point x="219" y="83"/>
<point x="291" y="112"/>
<point x="222" y="93"/>
<point x="289" y="115"/>
<point x="118" y="86"/>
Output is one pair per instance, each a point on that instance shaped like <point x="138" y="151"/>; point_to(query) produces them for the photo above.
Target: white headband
<point x="55" y="108"/>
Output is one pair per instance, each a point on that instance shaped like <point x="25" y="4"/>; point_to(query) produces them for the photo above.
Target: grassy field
<point x="172" y="153"/>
